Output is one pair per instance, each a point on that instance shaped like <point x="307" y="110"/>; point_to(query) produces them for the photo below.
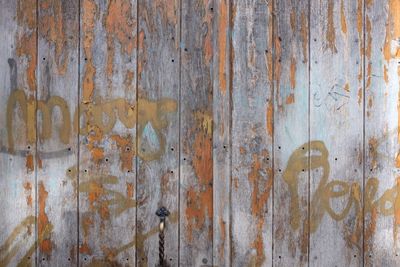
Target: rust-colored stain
<point x="343" y="23"/>
<point x="330" y="32"/>
<point x="278" y="69"/>
<point x="385" y="74"/>
<point x="141" y="47"/>
<point x="89" y="15"/>
<point x="46" y="245"/>
<point x="28" y="192"/>
<point x="222" y="36"/>
<point x="26" y="44"/>
<point x="222" y="229"/>
<point x="127" y="152"/>
<point x="120" y="27"/>
<point x="368" y="51"/>
<point x="30" y="166"/>
<point x="199" y="208"/>
<point x="360" y="95"/>
<point x="52" y="25"/>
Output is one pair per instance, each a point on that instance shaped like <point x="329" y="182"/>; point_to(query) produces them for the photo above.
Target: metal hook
<point x="162" y="213"/>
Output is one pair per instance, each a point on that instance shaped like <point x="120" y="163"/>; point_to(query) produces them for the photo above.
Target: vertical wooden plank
<point x="291" y="133"/>
<point x="107" y="118"/>
<point x="196" y="171"/>
<point x="382" y="138"/>
<point x="18" y="59"/>
<point x="221" y="133"/>
<point x="57" y="143"/>
<point x="158" y="127"/>
<point x="252" y="107"/>
<point x="336" y="133"/>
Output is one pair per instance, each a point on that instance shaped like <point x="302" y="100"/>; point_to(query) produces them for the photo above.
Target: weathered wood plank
<point x="221" y="133"/>
<point x="57" y="101"/>
<point x="252" y="104"/>
<point x="18" y="61"/>
<point x="108" y="119"/>
<point x="382" y="138"/>
<point x="291" y="133"/>
<point x="196" y="171"/>
<point x="158" y="127"/>
<point x="336" y="133"/>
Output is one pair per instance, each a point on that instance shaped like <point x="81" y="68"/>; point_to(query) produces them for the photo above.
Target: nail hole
<point x="224" y="146"/>
<point x="279" y="147"/>
<point x="186" y="49"/>
<point x="69" y="149"/>
<point x="127" y="259"/>
<point x="355" y="256"/>
<point x="128" y="148"/>
<point x="212" y="9"/>
<point x="267" y="158"/>
<point x="303" y="148"/>
<point x="85" y="58"/>
<point x="85" y="170"/>
<point x="29" y="147"/>
<point x="43" y="259"/>
<point x="69" y="170"/>
<point x="171" y="171"/>
<point x="279" y="170"/>
<point x="129" y="171"/>
<point x="44" y="59"/>
<point x="266" y="51"/>
<point x="335" y="158"/>
<point x="279" y="257"/>
<point x="173" y="60"/>
<point x="172" y="149"/>
<point x="85" y="259"/>
<point x="303" y="170"/>
<point x="370" y="169"/>
<point x="170" y="259"/>
<point x="184" y="158"/>
<point x="69" y="259"/>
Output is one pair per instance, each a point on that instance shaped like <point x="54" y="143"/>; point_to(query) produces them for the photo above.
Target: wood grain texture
<point x="57" y="142"/>
<point x="18" y="60"/>
<point x="196" y="168"/>
<point x="291" y="136"/>
<point x="221" y="132"/>
<point x="382" y="72"/>
<point x="107" y="127"/>
<point x="158" y="81"/>
<point x="252" y="93"/>
<point x="336" y="133"/>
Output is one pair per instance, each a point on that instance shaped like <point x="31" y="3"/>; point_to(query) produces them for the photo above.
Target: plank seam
<point x="309" y="135"/>
<point x="78" y="131"/>
<point x="274" y="25"/>
<point x="36" y="137"/>
<point x="136" y="131"/>
<point x="363" y="138"/>
<point x="179" y="130"/>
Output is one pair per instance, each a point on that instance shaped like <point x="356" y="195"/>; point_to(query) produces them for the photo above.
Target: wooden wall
<point x="268" y="128"/>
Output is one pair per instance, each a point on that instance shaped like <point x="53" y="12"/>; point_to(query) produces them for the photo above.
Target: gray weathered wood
<point x="221" y="133"/>
<point x="252" y="174"/>
<point x="382" y="139"/>
<point x="18" y="132"/>
<point x="336" y="133"/>
<point x="196" y="162"/>
<point x="291" y="135"/>
<point x="158" y="146"/>
<point x="108" y="120"/>
<point x="57" y="101"/>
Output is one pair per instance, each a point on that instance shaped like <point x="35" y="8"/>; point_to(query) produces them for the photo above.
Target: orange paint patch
<point x="373" y="152"/>
<point x="87" y="222"/>
<point x="290" y="99"/>
<point x="130" y="189"/>
<point x="293" y="73"/>
<point x="89" y="16"/>
<point x="94" y="137"/>
<point x="26" y="44"/>
<point x="44" y="224"/>
<point x="330" y="32"/>
<point x="270" y="119"/>
<point x="29" y="164"/>
<point x="259" y="198"/>
<point x="347" y="87"/>
<point x="52" y="28"/>
<point x="126" y="151"/>
<point x="28" y="192"/>
<point x="222" y="34"/>
<point x="199" y="208"/>
<point x="392" y="30"/>
<point x="304" y="35"/>
<point x="120" y="27"/>
<point x="343" y="18"/>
